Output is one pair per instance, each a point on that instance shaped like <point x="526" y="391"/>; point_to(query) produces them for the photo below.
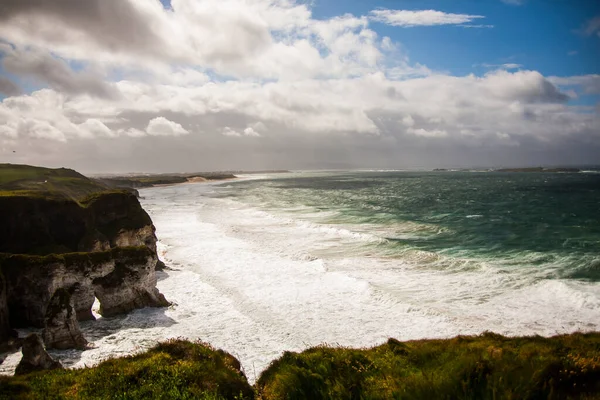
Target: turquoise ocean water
<point x="544" y="224"/>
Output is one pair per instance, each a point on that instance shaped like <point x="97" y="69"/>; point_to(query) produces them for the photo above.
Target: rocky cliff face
<point x="4" y="322"/>
<point x="61" y="329"/>
<point x="46" y="225"/>
<point x="35" y="357"/>
<point x="101" y="247"/>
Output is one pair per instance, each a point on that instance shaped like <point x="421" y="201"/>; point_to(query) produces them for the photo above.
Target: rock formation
<point x="61" y="329"/>
<point x="4" y="321"/>
<point x="86" y="241"/>
<point x="131" y="284"/>
<point x="35" y="357"/>
<point x="122" y="279"/>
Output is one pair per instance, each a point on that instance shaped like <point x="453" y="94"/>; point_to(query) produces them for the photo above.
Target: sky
<point x="115" y="86"/>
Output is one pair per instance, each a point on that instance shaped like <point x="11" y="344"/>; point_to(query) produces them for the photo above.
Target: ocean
<point x="266" y="264"/>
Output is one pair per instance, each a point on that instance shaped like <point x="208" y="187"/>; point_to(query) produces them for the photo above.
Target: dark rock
<point x="37" y="225"/>
<point x="160" y="266"/>
<point x="33" y="280"/>
<point x="35" y="357"/>
<point x="131" y="285"/>
<point x="122" y="279"/>
<point x="4" y="320"/>
<point x="61" y="329"/>
<point x="103" y="241"/>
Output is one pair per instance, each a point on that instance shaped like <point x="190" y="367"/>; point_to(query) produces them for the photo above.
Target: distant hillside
<point x="46" y="182"/>
<point x="141" y="181"/>
<point x="539" y="169"/>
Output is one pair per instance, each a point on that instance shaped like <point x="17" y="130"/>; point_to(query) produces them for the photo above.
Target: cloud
<point x="160" y="126"/>
<point x="405" y="18"/>
<point x="588" y="84"/>
<point x="227" y="131"/>
<point x="524" y="86"/>
<point x="249" y="131"/>
<point x="370" y="105"/>
<point x="263" y="84"/>
<point x="435" y="133"/>
<point x="120" y="26"/>
<point x="503" y="66"/>
<point x="94" y="128"/>
<point x="55" y="72"/>
<point x="514" y="2"/>
<point x="132" y="132"/>
<point x="266" y="39"/>
<point x="592" y="26"/>
<point x="8" y="87"/>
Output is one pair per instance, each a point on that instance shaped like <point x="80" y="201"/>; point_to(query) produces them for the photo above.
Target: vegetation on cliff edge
<point x="488" y="366"/>
<point x="26" y="180"/>
<point x="175" y="369"/>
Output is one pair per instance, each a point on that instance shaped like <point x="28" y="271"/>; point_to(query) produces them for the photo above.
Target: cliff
<point x="60" y="231"/>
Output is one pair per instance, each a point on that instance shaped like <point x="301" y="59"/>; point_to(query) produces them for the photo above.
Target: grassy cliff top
<point x="26" y="180"/>
<point x="173" y="370"/>
<point x="488" y="366"/>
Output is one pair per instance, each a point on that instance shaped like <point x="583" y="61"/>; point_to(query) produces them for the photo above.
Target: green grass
<point x="29" y="181"/>
<point x="176" y="369"/>
<point x="484" y="367"/>
<point x="488" y="366"/>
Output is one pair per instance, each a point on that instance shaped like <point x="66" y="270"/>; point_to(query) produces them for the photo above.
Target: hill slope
<point x="26" y="180"/>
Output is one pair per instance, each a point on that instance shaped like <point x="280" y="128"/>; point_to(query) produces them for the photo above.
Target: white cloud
<point x="249" y="131"/>
<point x="588" y="84"/>
<point x="160" y="126"/>
<point x="406" y="18"/>
<point x="292" y="89"/>
<point x="132" y="132"/>
<point x="227" y="131"/>
<point x="40" y="130"/>
<point x="503" y="66"/>
<point x="93" y="128"/>
<point x="434" y="133"/>
<point x="369" y="105"/>
<point x="263" y="38"/>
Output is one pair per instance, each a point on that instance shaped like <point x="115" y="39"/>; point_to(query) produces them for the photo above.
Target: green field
<point x="25" y="180"/>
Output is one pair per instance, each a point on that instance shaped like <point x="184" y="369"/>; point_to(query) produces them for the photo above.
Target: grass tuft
<point x="175" y="369"/>
<point x="488" y="366"/>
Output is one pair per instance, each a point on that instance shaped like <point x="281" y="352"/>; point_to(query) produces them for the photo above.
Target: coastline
<point x="218" y="302"/>
<point x="198" y="179"/>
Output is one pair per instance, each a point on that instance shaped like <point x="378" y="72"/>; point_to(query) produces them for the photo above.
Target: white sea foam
<point x="257" y="284"/>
